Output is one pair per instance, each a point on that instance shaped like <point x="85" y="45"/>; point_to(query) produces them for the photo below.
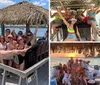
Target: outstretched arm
<point x="63" y="18"/>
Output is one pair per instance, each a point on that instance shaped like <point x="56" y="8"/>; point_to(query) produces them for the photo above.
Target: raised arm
<point x="62" y="5"/>
<point x="97" y="9"/>
<point x="63" y="18"/>
<point x="34" y="36"/>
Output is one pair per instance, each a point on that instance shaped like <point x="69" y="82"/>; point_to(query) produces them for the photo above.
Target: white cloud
<point x="39" y="3"/>
<point x="36" y="3"/>
<point x="4" y="3"/>
<point x="43" y="4"/>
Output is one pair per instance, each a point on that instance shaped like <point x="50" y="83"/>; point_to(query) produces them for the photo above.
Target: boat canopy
<point x="74" y="4"/>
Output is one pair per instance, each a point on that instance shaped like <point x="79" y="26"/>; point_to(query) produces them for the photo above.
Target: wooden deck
<point x="43" y="77"/>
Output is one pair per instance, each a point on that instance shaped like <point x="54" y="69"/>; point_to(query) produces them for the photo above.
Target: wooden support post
<point x="27" y="27"/>
<point x="2" y="29"/>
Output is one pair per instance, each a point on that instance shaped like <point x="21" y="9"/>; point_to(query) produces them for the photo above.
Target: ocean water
<point x="56" y="60"/>
<point x="41" y="31"/>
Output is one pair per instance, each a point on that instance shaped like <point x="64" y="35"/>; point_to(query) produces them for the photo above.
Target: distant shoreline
<point x="23" y="26"/>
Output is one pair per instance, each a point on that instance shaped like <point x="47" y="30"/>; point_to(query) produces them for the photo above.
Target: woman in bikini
<point x="92" y="21"/>
<point x="71" y="32"/>
<point x="20" y="55"/>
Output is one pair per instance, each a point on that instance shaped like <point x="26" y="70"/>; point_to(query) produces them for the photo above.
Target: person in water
<point x="91" y="14"/>
<point x="70" y="28"/>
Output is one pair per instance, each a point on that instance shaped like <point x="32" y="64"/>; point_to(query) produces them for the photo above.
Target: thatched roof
<point x="74" y="4"/>
<point x="24" y="12"/>
<point x="1" y="15"/>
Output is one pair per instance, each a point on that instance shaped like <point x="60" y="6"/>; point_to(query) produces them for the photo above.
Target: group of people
<point x="71" y="19"/>
<point x="75" y="72"/>
<point x="13" y="47"/>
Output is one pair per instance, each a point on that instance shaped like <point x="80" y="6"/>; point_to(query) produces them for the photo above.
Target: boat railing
<point x="41" y="59"/>
<point x="57" y="36"/>
<point x="23" y="74"/>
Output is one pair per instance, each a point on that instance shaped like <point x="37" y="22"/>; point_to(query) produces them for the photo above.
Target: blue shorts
<point x="92" y="19"/>
<point x="73" y="36"/>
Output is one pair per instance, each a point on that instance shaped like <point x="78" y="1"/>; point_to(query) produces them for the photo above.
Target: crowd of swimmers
<point x="13" y="47"/>
<point x="70" y="18"/>
<point x="75" y="72"/>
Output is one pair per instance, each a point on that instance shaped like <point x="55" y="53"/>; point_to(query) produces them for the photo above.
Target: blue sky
<point x="43" y="3"/>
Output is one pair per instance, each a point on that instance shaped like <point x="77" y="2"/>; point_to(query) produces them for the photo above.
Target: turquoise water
<point x="41" y="31"/>
<point x="56" y="60"/>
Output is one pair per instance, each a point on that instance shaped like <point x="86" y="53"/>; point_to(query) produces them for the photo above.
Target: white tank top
<point x="2" y="47"/>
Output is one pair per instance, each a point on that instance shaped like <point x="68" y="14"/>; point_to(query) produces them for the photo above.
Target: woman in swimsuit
<point x="92" y="21"/>
<point x="20" y="46"/>
<point x="71" y="32"/>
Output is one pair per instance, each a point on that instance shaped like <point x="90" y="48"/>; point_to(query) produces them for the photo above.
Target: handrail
<point x="25" y="73"/>
<point x="13" y="70"/>
<point x="36" y="66"/>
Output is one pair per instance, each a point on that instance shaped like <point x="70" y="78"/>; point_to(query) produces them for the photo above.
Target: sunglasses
<point x="20" y="39"/>
<point x="29" y="35"/>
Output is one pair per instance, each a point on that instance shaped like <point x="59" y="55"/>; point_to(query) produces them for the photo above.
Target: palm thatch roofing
<point x="74" y="44"/>
<point x="24" y="13"/>
<point x="1" y="15"/>
<point x="74" y="4"/>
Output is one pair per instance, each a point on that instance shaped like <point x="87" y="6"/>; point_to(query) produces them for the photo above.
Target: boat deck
<point x="43" y="77"/>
